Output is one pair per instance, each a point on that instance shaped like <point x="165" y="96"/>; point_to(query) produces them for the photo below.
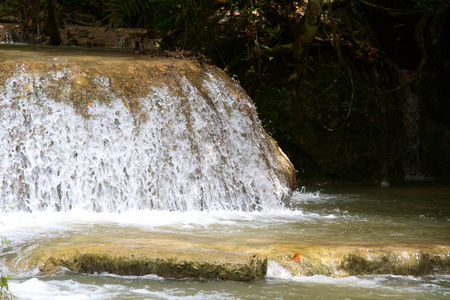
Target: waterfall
<point x="182" y="143"/>
<point x="9" y="34"/>
<point x="412" y="165"/>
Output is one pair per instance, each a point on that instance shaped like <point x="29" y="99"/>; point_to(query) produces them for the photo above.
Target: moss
<point x="170" y="263"/>
<point x="419" y="263"/>
<point x="345" y="261"/>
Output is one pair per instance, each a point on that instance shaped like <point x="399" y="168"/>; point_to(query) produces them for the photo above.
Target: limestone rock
<point x="135" y="259"/>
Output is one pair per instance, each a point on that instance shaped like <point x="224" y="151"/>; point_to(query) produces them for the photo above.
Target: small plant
<point x="5" y="241"/>
<point x="126" y="13"/>
<point x="250" y="71"/>
<point x="423" y="3"/>
<point x="5" y="293"/>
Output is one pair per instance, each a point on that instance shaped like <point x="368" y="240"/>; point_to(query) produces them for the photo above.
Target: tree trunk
<point x="307" y="29"/>
<point x="428" y="33"/>
<point x="53" y="24"/>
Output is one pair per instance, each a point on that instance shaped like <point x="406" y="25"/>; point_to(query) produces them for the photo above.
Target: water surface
<point x="414" y="217"/>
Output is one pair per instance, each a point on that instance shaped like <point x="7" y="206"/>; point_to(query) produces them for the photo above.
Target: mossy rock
<point x="164" y="262"/>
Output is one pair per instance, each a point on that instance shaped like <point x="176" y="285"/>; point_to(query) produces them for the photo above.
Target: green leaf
<point x="398" y="25"/>
<point x="5" y="241"/>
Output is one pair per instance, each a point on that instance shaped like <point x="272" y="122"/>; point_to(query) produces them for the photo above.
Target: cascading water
<point x="182" y="146"/>
<point x="412" y="166"/>
<point x="90" y="132"/>
<point x="10" y="34"/>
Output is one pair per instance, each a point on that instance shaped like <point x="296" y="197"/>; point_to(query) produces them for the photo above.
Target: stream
<point x="117" y="150"/>
<point x="409" y="216"/>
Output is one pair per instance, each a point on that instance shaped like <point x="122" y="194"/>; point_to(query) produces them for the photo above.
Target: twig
<point x="335" y="37"/>
<point x="393" y="11"/>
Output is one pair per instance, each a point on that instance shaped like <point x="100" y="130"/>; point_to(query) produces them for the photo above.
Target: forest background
<point x="354" y="91"/>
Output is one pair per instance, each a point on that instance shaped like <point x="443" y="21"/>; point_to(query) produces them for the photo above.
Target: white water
<point x="9" y="34"/>
<point x="184" y="151"/>
<point x="196" y="173"/>
<point x="324" y="217"/>
<point x="28" y="230"/>
<point x="25" y="228"/>
<point x="106" y="286"/>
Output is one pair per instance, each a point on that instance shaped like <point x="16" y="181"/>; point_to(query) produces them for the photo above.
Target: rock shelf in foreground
<point x="141" y="257"/>
<point x="343" y="261"/>
<point x="164" y="262"/>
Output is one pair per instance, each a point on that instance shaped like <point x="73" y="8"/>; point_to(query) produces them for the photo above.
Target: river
<point x="132" y="154"/>
<point x="413" y="216"/>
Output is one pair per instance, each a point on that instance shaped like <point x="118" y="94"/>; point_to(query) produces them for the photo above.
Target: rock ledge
<point x="168" y="263"/>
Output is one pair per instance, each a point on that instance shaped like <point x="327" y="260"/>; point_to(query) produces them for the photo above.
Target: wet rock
<point x="343" y="261"/>
<point x="127" y="259"/>
<point x="415" y="263"/>
<point x="171" y="259"/>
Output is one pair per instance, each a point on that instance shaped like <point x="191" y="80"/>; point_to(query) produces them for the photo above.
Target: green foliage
<point x="4" y="283"/>
<point x="127" y="13"/>
<point x="5" y="293"/>
<point x="163" y="15"/>
<point x="31" y="15"/>
<point x="265" y="27"/>
<point x="347" y="106"/>
<point x="398" y="25"/>
<point x="423" y="3"/>
<point x="8" y="6"/>
<point x="5" y="242"/>
<point x="173" y="15"/>
<point x="270" y="105"/>
<point x="4" y="288"/>
<point x="250" y="71"/>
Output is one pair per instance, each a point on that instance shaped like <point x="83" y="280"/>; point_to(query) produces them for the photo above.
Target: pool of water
<point x="411" y="216"/>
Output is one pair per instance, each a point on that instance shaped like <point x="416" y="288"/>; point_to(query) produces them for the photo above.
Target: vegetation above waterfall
<point x="326" y="76"/>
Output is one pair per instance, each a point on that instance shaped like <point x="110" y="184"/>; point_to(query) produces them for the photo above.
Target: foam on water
<point x="118" y="287"/>
<point x="31" y="228"/>
<point x="20" y="226"/>
<point x="406" y="284"/>
<point x="276" y="271"/>
<point x="185" y="150"/>
<point x="315" y="287"/>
